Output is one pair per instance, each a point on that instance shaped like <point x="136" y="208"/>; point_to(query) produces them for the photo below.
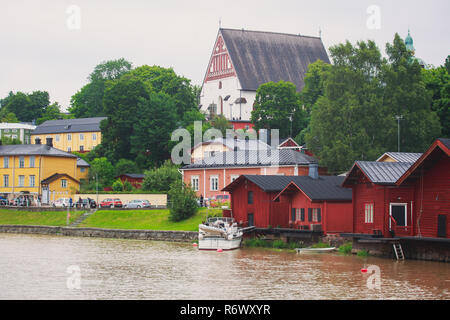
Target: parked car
<point x="111" y="203"/>
<point x="86" y="203"/>
<point x="138" y="204"/>
<point x="3" y="201"/>
<point x="62" y="202"/>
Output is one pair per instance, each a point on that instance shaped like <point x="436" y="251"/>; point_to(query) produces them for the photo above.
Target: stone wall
<point x="180" y="236"/>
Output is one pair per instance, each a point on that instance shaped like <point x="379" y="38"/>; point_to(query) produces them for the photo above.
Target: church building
<point x="242" y="60"/>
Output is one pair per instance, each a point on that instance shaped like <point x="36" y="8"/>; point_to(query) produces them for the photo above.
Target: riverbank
<point x="38" y="218"/>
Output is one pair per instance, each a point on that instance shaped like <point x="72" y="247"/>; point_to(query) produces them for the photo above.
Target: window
<point x="69" y="149"/>
<point x="57" y="138"/>
<point x="82" y="169"/>
<point x="63" y="183"/>
<point x="214" y="183"/>
<point x="81" y="136"/>
<point x="94" y="136"/>
<point x="316" y="215"/>
<point x="234" y="177"/>
<point x="194" y="182"/>
<point x="6" y="180"/>
<point x="32" y="181"/>
<point x="5" y="162"/>
<point x="81" y="148"/>
<point x="300" y="214"/>
<point x="69" y="137"/>
<point x="220" y="84"/>
<point x="368" y="213"/>
<point x="32" y="160"/>
<point x="250" y="197"/>
<point x="21" y="181"/>
<point x="21" y="162"/>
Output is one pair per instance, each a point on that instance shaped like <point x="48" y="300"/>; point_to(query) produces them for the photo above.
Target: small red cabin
<point x="135" y="179"/>
<point x="403" y="199"/>
<point x="300" y="202"/>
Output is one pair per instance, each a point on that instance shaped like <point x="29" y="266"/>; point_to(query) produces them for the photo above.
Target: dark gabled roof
<point x="445" y="142"/>
<point x="33" y="149"/>
<point x="249" y="158"/>
<point x="82" y="163"/>
<point x="382" y="172"/>
<point x="133" y="175"/>
<point x="259" y="57"/>
<point x="69" y="125"/>
<point x="323" y="188"/>
<point x="402" y="156"/>
<point x="56" y="176"/>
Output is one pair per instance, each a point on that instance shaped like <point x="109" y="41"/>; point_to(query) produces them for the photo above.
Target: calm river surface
<point x="44" y="267"/>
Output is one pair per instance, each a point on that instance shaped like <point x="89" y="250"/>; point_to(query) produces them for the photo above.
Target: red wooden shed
<point x="403" y="199"/>
<point x="135" y="179"/>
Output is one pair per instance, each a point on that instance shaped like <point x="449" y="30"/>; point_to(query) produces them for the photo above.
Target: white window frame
<point x="214" y="183"/>
<point x="233" y="177"/>
<point x="94" y="136"/>
<point x="81" y="136"/>
<point x="69" y="137"/>
<point x="5" y="162"/>
<point x="21" y="181"/>
<point x="399" y="205"/>
<point x="195" y="182"/>
<point x="6" y="180"/>
<point x="369" y="209"/>
<point x="57" y="138"/>
<point x="32" y="161"/>
<point x="315" y="214"/>
<point x="63" y="183"/>
<point x="32" y="181"/>
<point x="21" y="161"/>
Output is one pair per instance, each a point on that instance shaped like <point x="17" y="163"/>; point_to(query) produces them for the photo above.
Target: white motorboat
<point x="314" y="250"/>
<point x="219" y="233"/>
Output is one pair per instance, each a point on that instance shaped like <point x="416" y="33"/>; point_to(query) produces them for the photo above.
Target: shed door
<point x="45" y="195"/>
<point x="398" y="212"/>
<point x="442" y="226"/>
<point x="251" y="223"/>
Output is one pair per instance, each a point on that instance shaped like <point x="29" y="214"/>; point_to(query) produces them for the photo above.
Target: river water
<point x="53" y="267"/>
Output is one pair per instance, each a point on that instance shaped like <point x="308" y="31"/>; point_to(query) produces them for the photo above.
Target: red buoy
<point x="219" y="250"/>
<point x="363" y="270"/>
<point x="194" y="244"/>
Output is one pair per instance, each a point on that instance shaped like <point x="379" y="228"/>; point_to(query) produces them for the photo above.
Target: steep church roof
<point x="259" y="57"/>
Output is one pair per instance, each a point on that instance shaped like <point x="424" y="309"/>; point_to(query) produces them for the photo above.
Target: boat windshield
<point x="223" y="219"/>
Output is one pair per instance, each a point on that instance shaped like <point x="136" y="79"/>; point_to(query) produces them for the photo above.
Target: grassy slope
<point x="143" y="219"/>
<point x="44" y="218"/>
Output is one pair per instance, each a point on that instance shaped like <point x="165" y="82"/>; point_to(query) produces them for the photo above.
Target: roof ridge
<point x="272" y="32"/>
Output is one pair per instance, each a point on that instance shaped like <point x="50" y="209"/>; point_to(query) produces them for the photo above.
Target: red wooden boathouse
<point x="403" y="199"/>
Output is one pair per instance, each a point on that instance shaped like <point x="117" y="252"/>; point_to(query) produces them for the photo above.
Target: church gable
<point x="220" y="65"/>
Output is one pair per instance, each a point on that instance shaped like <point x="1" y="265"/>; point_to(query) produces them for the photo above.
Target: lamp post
<point x="398" y="118"/>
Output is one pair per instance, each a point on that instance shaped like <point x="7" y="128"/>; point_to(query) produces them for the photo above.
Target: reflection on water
<point x="36" y="267"/>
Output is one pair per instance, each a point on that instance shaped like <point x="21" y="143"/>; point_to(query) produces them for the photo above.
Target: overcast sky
<point x="44" y="46"/>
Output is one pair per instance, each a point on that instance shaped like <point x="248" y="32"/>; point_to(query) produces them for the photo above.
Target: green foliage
<point x="104" y="169"/>
<point x="127" y="186"/>
<point x="320" y="245"/>
<point x="182" y="201"/>
<point x="117" y="185"/>
<point x="362" y="253"/>
<point x="346" y="248"/>
<point x="275" y="244"/>
<point x="353" y="119"/>
<point x="275" y="105"/>
<point x="160" y="179"/>
<point x="9" y="140"/>
<point x="52" y="112"/>
<point x="221" y="123"/>
<point x="125" y="166"/>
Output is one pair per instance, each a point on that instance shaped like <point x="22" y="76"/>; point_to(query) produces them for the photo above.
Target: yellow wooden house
<point x="38" y="171"/>
<point x="80" y="135"/>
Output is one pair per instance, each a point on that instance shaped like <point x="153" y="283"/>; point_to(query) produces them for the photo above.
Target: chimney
<point x="37" y="140"/>
<point x="314" y="170"/>
<point x="49" y="142"/>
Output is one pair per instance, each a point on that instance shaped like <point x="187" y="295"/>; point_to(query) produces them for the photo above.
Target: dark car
<point x="3" y="201"/>
<point x="86" y="203"/>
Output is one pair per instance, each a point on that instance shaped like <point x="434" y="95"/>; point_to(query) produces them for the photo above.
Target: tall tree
<point x="277" y="106"/>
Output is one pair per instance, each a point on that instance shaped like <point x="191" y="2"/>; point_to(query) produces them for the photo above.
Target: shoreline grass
<point x="37" y="218"/>
<point x="157" y="219"/>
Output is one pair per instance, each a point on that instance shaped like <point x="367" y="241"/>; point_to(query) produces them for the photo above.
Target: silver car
<point x="138" y="204"/>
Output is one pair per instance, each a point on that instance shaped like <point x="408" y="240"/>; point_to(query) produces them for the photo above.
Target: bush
<point x="161" y="178"/>
<point x="127" y="186"/>
<point x="362" y="253"/>
<point x="117" y="185"/>
<point x="346" y="248"/>
<point x="320" y="245"/>
<point x="182" y="201"/>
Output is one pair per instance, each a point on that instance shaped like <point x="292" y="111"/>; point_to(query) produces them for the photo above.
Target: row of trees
<point x="347" y="110"/>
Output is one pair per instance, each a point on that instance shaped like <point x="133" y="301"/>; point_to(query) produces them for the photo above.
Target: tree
<point x="102" y="168"/>
<point x="277" y="106"/>
<point x="117" y="185"/>
<point x="121" y="105"/>
<point x="19" y="104"/>
<point x="156" y="120"/>
<point x="7" y="116"/>
<point x="88" y="102"/>
<point x="160" y="179"/>
<point x="221" y="123"/>
<point x="437" y="82"/>
<point x="52" y="112"/>
<point x="362" y="92"/>
<point x="182" y="201"/>
<point x="125" y="166"/>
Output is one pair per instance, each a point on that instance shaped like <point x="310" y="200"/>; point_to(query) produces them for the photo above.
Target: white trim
<point x="390" y="212"/>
